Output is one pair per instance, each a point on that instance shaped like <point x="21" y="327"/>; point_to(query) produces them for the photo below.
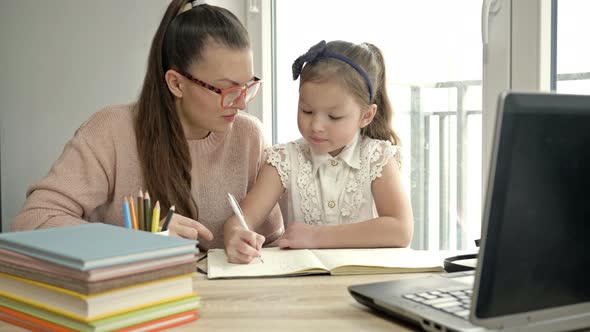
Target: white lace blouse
<point x="326" y="190"/>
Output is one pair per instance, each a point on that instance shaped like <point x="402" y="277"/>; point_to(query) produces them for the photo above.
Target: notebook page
<point x="392" y="258"/>
<point x="277" y="262"/>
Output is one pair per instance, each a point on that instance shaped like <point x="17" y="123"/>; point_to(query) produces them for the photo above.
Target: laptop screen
<point x="536" y="253"/>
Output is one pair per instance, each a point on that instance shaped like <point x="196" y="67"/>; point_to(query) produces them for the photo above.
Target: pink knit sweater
<point x="100" y="165"/>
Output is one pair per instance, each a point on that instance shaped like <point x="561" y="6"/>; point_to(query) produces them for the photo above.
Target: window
<point x="434" y="71"/>
<point x="572" y="52"/>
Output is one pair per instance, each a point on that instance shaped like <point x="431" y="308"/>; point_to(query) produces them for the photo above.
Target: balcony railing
<point x="451" y="175"/>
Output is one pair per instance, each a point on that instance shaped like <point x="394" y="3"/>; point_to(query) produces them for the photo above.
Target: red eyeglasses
<point x="230" y="96"/>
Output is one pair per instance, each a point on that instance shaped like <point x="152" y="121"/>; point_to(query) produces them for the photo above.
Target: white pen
<point x="238" y="212"/>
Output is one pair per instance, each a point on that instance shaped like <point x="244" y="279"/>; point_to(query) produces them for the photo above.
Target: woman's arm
<point x="76" y="184"/>
<point x="393" y="227"/>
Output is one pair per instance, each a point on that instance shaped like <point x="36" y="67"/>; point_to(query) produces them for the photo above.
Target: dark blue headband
<point x="318" y="51"/>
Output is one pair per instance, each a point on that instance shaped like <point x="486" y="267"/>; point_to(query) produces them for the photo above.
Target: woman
<point x="183" y="141"/>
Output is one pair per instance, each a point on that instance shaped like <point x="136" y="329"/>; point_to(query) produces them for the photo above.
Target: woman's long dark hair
<point x="163" y="150"/>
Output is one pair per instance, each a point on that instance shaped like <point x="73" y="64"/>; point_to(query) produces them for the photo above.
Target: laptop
<point x="533" y="267"/>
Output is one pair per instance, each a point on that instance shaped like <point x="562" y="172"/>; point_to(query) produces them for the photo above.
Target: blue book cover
<point x="95" y="245"/>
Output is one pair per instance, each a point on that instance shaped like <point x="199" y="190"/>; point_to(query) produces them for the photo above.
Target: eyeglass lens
<point x="231" y="97"/>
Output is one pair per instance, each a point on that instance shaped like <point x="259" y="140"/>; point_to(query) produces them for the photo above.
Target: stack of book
<point x="96" y="277"/>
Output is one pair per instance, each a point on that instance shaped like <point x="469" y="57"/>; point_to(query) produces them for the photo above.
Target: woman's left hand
<point x="188" y="228"/>
<point x="299" y="235"/>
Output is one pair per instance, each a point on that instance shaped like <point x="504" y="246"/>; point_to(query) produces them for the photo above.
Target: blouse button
<point x="334" y="163"/>
<point x="331" y="204"/>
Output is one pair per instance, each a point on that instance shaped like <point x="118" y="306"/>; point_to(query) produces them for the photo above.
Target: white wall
<point x="61" y="61"/>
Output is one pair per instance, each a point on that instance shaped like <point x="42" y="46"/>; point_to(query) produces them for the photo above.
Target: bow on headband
<point x="318" y="51"/>
<point x="314" y="53"/>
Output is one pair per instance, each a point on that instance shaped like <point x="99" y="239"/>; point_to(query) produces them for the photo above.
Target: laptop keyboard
<point x="455" y="302"/>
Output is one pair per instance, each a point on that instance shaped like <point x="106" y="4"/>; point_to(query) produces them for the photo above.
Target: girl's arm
<point x="242" y="245"/>
<point x="393" y="227"/>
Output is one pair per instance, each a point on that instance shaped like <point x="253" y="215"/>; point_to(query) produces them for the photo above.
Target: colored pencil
<point x="147" y="206"/>
<point x="140" y="211"/>
<point x="133" y="213"/>
<point x="168" y="218"/>
<point x="156" y="217"/>
<point x="126" y="213"/>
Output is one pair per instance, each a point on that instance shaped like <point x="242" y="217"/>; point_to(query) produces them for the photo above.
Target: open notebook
<point x="294" y="262"/>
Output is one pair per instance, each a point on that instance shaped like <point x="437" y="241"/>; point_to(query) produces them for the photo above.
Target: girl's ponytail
<point x="380" y="127"/>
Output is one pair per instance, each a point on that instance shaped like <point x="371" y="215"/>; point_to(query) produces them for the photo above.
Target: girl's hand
<point x="299" y="236"/>
<point x="241" y="245"/>
<point x="188" y="228"/>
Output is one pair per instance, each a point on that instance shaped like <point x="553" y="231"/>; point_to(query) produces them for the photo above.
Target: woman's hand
<point x="241" y="245"/>
<point x="299" y="235"/>
<point x="188" y="228"/>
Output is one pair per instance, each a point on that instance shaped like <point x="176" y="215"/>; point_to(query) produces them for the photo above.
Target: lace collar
<point x="351" y="155"/>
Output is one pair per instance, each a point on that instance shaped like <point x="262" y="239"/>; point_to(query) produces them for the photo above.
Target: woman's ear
<point x="368" y="116"/>
<point x="174" y="82"/>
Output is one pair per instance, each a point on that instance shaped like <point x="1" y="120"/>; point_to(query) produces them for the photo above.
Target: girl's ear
<point x="368" y="116"/>
<point x="174" y="82"/>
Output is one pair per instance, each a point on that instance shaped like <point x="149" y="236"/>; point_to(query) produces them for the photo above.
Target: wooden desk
<point x="311" y="303"/>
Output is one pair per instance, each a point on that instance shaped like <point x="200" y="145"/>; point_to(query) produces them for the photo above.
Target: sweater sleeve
<point x="76" y="184"/>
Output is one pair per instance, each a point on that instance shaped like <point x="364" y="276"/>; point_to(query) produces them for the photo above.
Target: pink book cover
<point x="16" y="259"/>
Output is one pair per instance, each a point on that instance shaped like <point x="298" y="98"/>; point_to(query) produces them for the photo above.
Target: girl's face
<point x="329" y="116"/>
<point x="199" y="108"/>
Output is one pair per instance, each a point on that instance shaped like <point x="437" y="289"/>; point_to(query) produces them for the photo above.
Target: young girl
<point x="342" y="178"/>
<point x="183" y="141"/>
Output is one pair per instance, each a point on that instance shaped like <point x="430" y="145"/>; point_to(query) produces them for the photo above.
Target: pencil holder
<point x="165" y="233"/>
